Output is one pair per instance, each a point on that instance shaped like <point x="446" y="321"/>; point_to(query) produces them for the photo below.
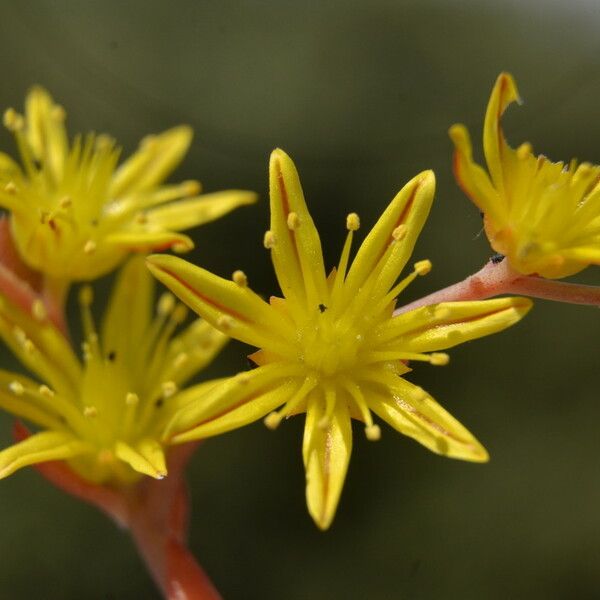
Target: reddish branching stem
<point x="495" y="279"/>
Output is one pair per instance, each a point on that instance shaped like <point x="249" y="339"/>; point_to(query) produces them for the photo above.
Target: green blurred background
<point x="361" y="95"/>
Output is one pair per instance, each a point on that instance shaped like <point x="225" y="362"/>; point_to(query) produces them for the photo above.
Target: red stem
<point x="498" y="278"/>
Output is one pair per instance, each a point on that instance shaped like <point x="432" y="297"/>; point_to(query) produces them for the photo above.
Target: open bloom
<point x="331" y="346"/>
<point x="75" y="214"/>
<point x="544" y="216"/>
<point x="105" y="416"/>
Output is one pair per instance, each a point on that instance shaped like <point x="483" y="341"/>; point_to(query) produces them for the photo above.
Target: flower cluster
<point x="335" y="345"/>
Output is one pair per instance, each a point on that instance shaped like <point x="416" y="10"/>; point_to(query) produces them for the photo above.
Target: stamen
<point x="132" y="399"/>
<point x="524" y="150"/>
<point x="166" y="304"/>
<point x="66" y="202"/>
<point x="182" y="247"/>
<point x="352" y="222"/>
<point x="272" y="420"/>
<point x="58" y="113"/>
<point x="90" y="412"/>
<point x="293" y="221"/>
<point x="12" y="120"/>
<point x="179" y="314"/>
<point x="373" y="433"/>
<point x="168" y="388"/>
<point x="400" y="232"/>
<point x="190" y="187"/>
<point x="44" y="390"/>
<point x="89" y="247"/>
<point x="38" y="310"/>
<point x="439" y="359"/>
<point x="10" y="188"/>
<point x="180" y="360"/>
<point x="16" y="387"/>
<point x="423" y="267"/>
<point x="269" y="240"/>
<point x="239" y="277"/>
<point x="225" y="322"/>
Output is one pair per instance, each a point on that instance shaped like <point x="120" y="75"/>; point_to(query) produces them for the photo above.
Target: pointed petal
<point x="409" y="210"/>
<point x="231" y="308"/>
<point x="45" y="133"/>
<point x="472" y="179"/>
<point x="41" y="447"/>
<point x="147" y="458"/>
<point x="235" y="402"/>
<point x="129" y="308"/>
<point x="494" y="145"/>
<point x="448" y="324"/>
<point x="411" y="411"/>
<point x="296" y="252"/>
<point x="186" y="214"/>
<point x="326" y="454"/>
<point x="156" y="157"/>
<point x="143" y="241"/>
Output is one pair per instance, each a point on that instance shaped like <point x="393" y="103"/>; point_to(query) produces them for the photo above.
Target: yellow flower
<point x="332" y="347"/>
<point x="544" y="216"/>
<point x="75" y="214"/>
<point x="107" y="415"/>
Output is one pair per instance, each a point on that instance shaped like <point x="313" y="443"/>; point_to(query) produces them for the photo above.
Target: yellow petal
<point x="129" y="309"/>
<point x="448" y="324"/>
<point x="494" y="145"/>
<point x="326" y="453"/>
<point x="231" y="308"/>
<point x="45" y="132"/>
<point x="147" y="458"/>
<point x="156" y="157"/>
<point x="143" y="241"/>
<point x="296" y="252"/>
<point x="41" y="447"/>
<point x="185" y="214"/>
<point x="233" y="403"/>
<point x="473" y="180"/>
<point x="408" y="211"/>
<point x="411" y="411"/>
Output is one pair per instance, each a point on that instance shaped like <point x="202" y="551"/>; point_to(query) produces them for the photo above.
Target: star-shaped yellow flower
<point x="544" y="216"/>
<point x="75" y="214"/>
<point x="332" y="347"/>
<point x="106" y="415"/>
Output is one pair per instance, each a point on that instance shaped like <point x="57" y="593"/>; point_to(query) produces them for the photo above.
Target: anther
<point x="13" y="121"/>
<point x="10" y="187"/>
<point x="28" y="346"/>
<point x="293" y="221"/>
<point x="439" y="359"/>
<point x="132" y="399"/>
<point x="191" y="187"/>
<point x="422" y="267"/>
<point x="90" y="412"/>
<point x="38" y="310"/>
<point x="58" y="113"/>
<point x="524" y="150"/>
<point x="272" y="420"/>
<point x="168" y="388"/>
<point x="352" y="222"/>
<point x="66" y="202"/>
<point x="45" y="391"/>
<point x="225" y="322"/>
<point x="399" y="232"/>
<point x="90" y="247"/>
<point x="16" y="387"/>
<point x="269" y="240"/>
<point x="373" y="433"/>
<point x="240" y="278"/>
<point x="180" y="313"/>
<point x="180" y="360"/>
<point x="86" y="295"/>
<point x="166" y="303"/>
